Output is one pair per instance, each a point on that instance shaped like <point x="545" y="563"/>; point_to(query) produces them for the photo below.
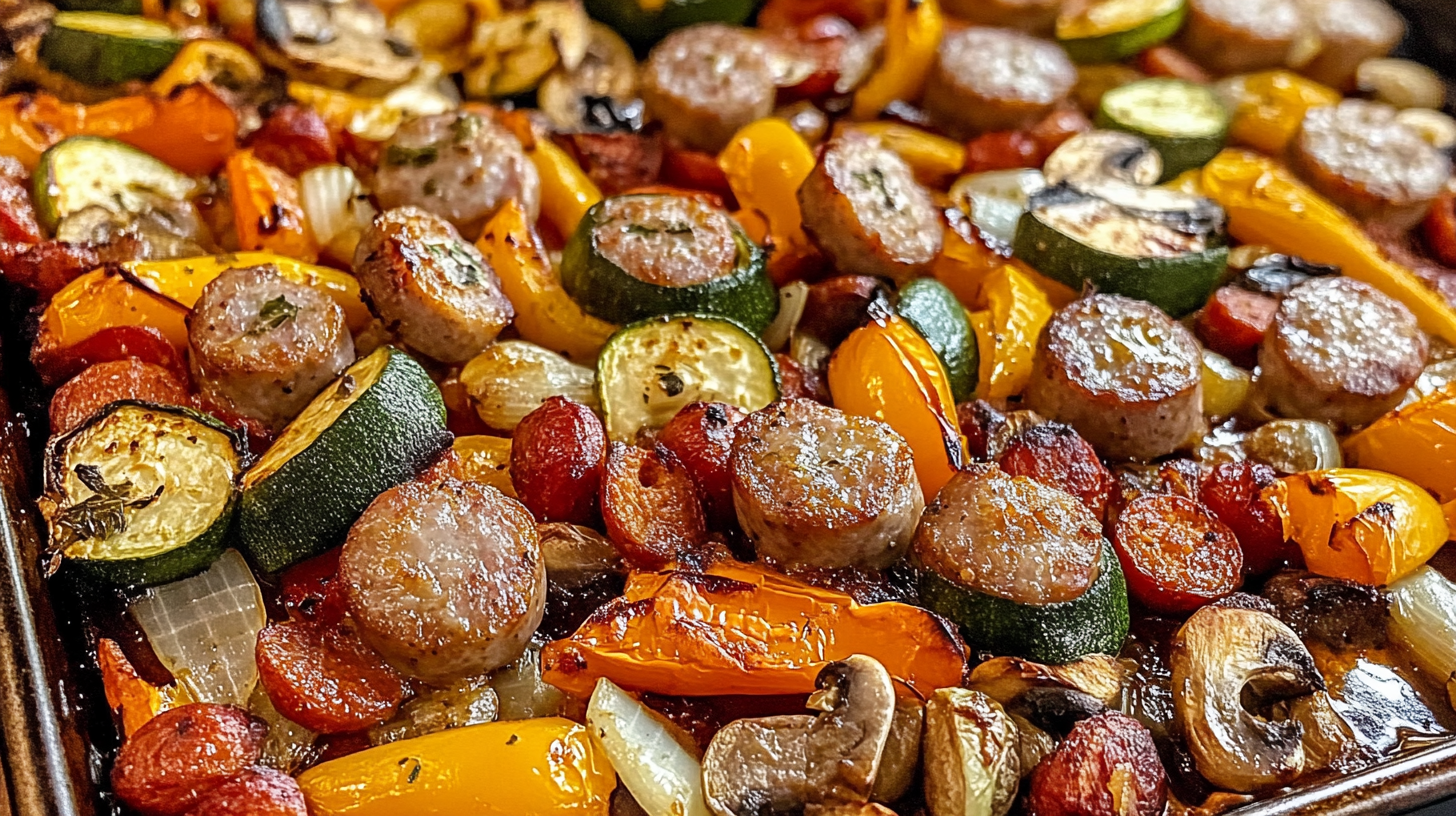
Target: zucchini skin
<point x="1095" y="623"/>
<point x="179" y="562"/>
<point x="105" y="59"/>
<point x="643" y="28"/>
<point x="1178" y="285"/>
<point x="606" y="291"/>
<point x="934" y="312"/>
<point x="307" y="505"/>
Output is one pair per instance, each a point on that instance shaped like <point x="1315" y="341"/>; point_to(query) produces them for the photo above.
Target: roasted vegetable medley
<point x="689" y="407"/>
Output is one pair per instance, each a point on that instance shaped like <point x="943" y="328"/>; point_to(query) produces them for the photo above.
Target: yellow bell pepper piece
<point x="181" y="280"/>
<point x="102" y="299"/>
<point x="485" y="459"/>
<point x="1271" y="105"/>
<point x="986" y="346"/>
<point x="963" y="265"/>
<point x="566" y="191"/>
<point x="1019" y="311"/>
<point x="936" y="160"/>
<point x="886" y="371"/>
<point x="1360" y="525"/>
<point x="765" y="163"/>
<point x="545" y="314"/>
<point x="268" y="208"/>
<point x="209" y="61"/>
<point x="1417" y="442"/>
<point x="1267" y="205"/>
<point x="912" y="34"/>
<point x="518" y="768"/>
<point x="364" y="116"/>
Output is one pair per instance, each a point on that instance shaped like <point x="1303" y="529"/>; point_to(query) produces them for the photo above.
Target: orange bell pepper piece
<point x="741" y="629"/>
<point x="912" y="34"/>
<point x="765" y="163"/>
<point x="268" y="209"/>
<point x="1360" y="525"/>
<point x="1019" y="311"/>
<point x="99" y="302"/>
<point x="545" y="314"/>
<point x="885" y="370"/>
<point x="965" y="262"/>
<point x="1417" y="442"/>
<point x="191" y="129"/>
<point x="136" y="700"/>
<point x="1271" y="105"/>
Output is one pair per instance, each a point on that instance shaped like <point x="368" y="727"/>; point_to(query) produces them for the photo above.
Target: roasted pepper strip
<point x="182" y="280"/>
<point x="936" y="160"/>
<point x="267" y="209"/>
<point x="886" y="370"/>
<point x="1360" y="525"/>
<point x="209" y="61"/>
<point x="545" y="314"/>
<point x="515" y="768"/>
<point x="1417" y="442"/>
<point x="135" y="700"/>
<point x="765" y="163"/>
<point x="742" y="629"/>
<point x="1019" y="311"/>
<point x="566" y="191"/>
<point x="1270" y="105"/>
<point x="912" y="35"/>
<point x="192" y="129"/>
<point x="96" y="302"/>
<point x="1267" y="205"/>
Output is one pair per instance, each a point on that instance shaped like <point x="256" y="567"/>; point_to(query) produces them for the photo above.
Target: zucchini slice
<point x="636" y="256"/>
<point x="1184" y="121"/>
<point x="1113" y="30"/>
<point x="89" y="171"/>
<point x="142" y="494"/>
<point x="1095" y="623"/>
<point x="1149" y="243"/>
<point x="644" y="22"/>
<point x="649" y="370"/>
<point x="101" y="48"/>
<point x="933" y="310"/>
<point x="381" y="423"/>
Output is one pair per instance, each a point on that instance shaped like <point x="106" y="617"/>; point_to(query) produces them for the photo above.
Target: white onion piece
<point x="662" y="776"/>
<point x="791" y="310"/>
<point x="289" y="746"/>
<point x="337" y="207"/>
<point x="1423" y="620"/>
<point x="204" y="630"/>
<point x="521" y="694"/>
<point x="512" y="377"/>
<point x="996" y="199"/>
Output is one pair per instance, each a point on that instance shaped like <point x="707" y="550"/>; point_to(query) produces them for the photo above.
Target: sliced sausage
<point x="183" y="753"/>
<point x="1237" y="36"/>
<point x="667" y="240"/>
<point x="650" y="507"/>
<point x="1340" y="351"/>
<point x="556" y="461"/>
<point x="1055" y="455"/>
<point x="445" y="579"/>
<point x="1010" y="536"/>
<point x="261" y="346"/>
<point x="430" y="286"/>
<point x="1123" y="373"/>
<point x="704" y="82"/>
<point x="257" y="791"/>
<point x="818" y="487"/>
<point x="1349" y="32"/>
<point x="1107" y="764"/>
<point x="17" y="213"/>
<point x="1177" y="555"/>
<point x="701" y="437"/>
<point x="105" y="383"/>
<point x="996" y="79"/>
<point x="864" y="208"/>
<point x="1233" y="491"/>
<point x="459" y="166"/>
<point x="324" y="677"/>
<point x="1032" y="16"/>
<point x="1375" y="167"/>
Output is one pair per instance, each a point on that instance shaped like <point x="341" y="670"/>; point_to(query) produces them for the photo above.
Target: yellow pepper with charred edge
<point x="268" y="208"/>
<point x="1019" y="311"/>
<point x="936" y="160"/>
<point x="181" y="280"/>
<point x="545" y="314"/>
<point x="518" y="768"/>
<point x="484" y="459"/>
<point x="216" y="62"/>
<point x="885" y="370"/>
<point x="1360" y="525"/>
<point x="964" y="264"/>
<point x="1417" y="442"/>
<point x="912" y="34"/>
<point x="1270" y="106"/>
<point x="1267" y="205"/>
<point x="765" y="163"/>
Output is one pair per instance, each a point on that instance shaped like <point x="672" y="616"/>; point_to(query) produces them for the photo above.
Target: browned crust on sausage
<point x="996" y="79"/>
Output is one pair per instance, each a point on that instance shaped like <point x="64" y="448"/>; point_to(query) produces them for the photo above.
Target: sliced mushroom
<point x="1007" y="679"/>
<point x="972" y="755"/>
<point x="576" y="556"/>
<point x="901" y="760"/>
<point x="512" y="53"/>
<point x="1326" y="734"/>
<point x="823" y="764"/>
<point x="1100" y="155"/>
<point x="344" y="44"/>
<point x="1236" y="672"/>
<point x="600" y="92"/>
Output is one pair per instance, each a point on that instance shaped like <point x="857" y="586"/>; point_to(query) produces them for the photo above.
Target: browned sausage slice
<point x="430" y="286"/>
<point x="704" y="82"/>
<point x="1340" y="351"/>
<point x="1125" y="375"/>
<point x="1378" y="169"/>
<point x="996" y="79"/>
<point x="445" y="579"/>
<point x="864" y="208"/>
<point x="262" y="346"/>
<point x="818" y="487"/>
<point x="1349" y="32"/>
<point x="182" y="754"/>
<point x="1032" y="16"/>
<point x="1237" y="36"/>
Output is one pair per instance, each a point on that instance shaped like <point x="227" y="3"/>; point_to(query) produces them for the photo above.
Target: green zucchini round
<point x="933" y="310"/>
<point x="1184" y="121"/>
<point x="101" y="48"/>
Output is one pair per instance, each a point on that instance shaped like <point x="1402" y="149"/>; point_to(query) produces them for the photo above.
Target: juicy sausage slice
<point x="105" y="383"/>
<point x="1377" y="168"/>
<point x="430" y="286"/>
<point x="1010" y="536"/>
<point x="261" y="346"/>
<point x="996" y="79"/>
<point x="815" y="486"/>
<point x="182" y="754"/>
<point x="1237" y="36"/>
<point x="1032" y="16"/>
<point x="459" y="166"/>
<point x="257" y="791"/>
<point x="1340" y="351"/>
<point x="1349" y="32"/>
<point x="863" y="207"/>
<point x="1125" y="375"/>
<point x="445" y="579"/>
<point x="704" y="82"/>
